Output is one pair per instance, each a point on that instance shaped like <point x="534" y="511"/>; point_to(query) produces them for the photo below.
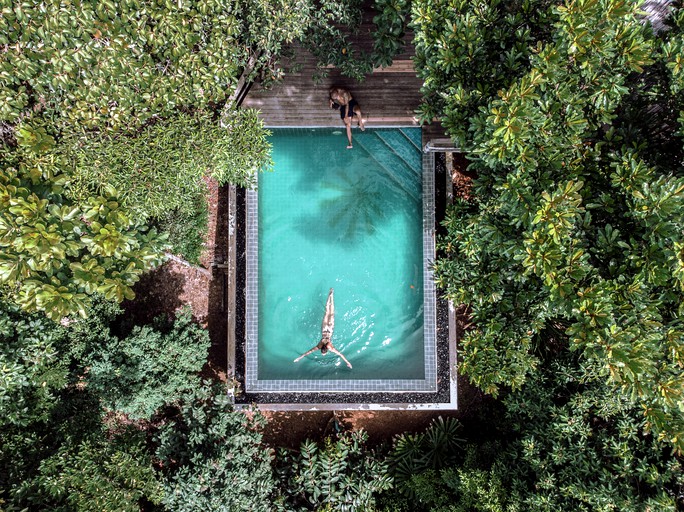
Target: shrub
<point x="152" y="366"/>
<point x="161" y="169"/>
<point x="575" y="240"/>
<point x="32" y="370"/>
<point x="433" y="449"/>
<point x="55" y="253"/>
<point x="212" y="457"/>
<point x="70" y="460"/>
<point x="340" y="474"/>
<point x="103" y="474"/>
<point x="474" y="484"/>
<point x="187" y="231"/>
<point x="117" y="65"/>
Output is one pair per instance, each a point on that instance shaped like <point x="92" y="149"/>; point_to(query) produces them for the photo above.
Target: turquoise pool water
<point x="350" y="220"/>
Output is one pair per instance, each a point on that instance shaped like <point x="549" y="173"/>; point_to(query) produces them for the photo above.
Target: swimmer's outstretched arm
<point x="335" y="351"/>
<point x="306" y="353"/>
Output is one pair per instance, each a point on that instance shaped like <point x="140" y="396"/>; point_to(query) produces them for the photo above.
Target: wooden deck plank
<point x="386" y="97"/>
<point x="389" y="96"/>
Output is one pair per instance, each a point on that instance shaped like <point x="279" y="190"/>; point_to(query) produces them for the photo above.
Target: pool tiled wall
<point x="427" y="384"/>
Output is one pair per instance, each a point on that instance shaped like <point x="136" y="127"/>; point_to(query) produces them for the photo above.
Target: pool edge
<point x="445" y="397"/>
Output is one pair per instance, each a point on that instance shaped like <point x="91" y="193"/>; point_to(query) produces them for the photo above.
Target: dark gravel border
<point x="442" y="395"/>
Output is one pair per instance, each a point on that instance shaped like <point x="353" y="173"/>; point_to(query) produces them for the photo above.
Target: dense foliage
<point x="161" y="168"/>
<point x="561" y="443"/>
<point x="67" y="436"/>
<point x="53" y="431"/>
<point x="391" y="24"/>
<point x="116" y="65"/>
<point x="425" y="452"/>
<point x="212" y="457"/>
<point x="152" y="366"/>
<point x="57" y="252"/>
<point x="32" y="369"/>
<point x="467" y="52"/>
<point x="574" y="241"/>
<point x="334" y="44"/>
<point x="338" y="474"/>
<point x="119" y="475"/>
<point x="581" y="445"/>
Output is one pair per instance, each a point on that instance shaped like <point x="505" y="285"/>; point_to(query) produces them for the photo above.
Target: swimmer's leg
<point x="328" y="323"/>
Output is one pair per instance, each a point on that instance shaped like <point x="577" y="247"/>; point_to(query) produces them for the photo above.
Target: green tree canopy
<point x="562" y="442"/>
<point x="32" y="369"/>
<point x="69" y="399"/>
<point x="106" y="64"/>
<point x="56" y="252"/>
<point x="575" y="238"/>
<point x="153" y="365"/>
<point x="57" y="452"/>
<point x="212" y="456"/>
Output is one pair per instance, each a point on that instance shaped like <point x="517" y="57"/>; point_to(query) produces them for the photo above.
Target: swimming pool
<point x="359" y="221"/>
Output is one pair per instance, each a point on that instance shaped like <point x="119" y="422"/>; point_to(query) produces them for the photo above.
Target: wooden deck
<point x="387" y="97"/>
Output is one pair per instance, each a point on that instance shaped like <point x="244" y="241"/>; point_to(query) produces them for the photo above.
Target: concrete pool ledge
<point x="368" y="405"/>
<point x="442" y="394"/>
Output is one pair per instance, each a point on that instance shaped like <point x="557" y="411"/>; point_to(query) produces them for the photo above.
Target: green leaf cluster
<point x="579" y="446"/>
<point x="163" y="167"/>
<point x="331" y="43"/>
<point x="32" y="369"/>
<point x="391" y="21"/>
<point x="245" y="150"/>
<point x="212" y="457"/>
<point x="574" y="241"/>
<point x="65" y="443"/>
<point x="57" y="252"/>
<point x="120" y="476"/>
<point x="434" y="449"/>
<point x="117" y="64"/>
<point x="152" y="366"/>
<point x="562" y="442"/>
<point x="333" y="26"/>
<point x="338" y="474"/>
<point x="466" y="51"/>
<point x="473" y="484"/>
<point x="70" y="459"/>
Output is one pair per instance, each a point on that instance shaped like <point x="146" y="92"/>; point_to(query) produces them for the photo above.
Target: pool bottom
<point x="444" y="398"/>
<point x="253" y="384"/>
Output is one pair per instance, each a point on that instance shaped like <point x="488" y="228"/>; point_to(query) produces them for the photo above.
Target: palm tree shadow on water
<point x="353" y="204"/>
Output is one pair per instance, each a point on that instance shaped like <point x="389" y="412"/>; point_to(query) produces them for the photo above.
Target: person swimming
<point x="327" y="327"/>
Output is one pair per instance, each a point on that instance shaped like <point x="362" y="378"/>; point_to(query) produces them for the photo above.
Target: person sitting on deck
<point x="341" y="98"/>
<point x="327" y="327"/>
